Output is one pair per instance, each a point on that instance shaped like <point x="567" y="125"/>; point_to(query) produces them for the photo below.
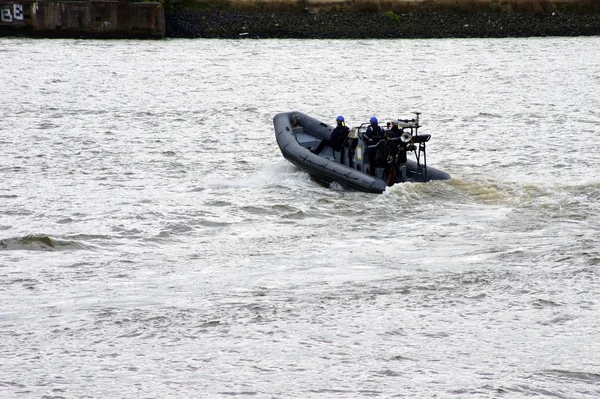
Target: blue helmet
<point x="340" y="118"/>
<point x="373" y="120"/>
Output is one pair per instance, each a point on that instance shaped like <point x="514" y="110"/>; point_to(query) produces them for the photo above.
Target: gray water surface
<point x="154" y="243"/>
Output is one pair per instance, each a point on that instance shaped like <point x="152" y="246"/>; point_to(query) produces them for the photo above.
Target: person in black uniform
<point x="336" y="140"/>
<point x="371" y="137"/>
<point x="374" y="132"/>
<point x="395" y="131"/>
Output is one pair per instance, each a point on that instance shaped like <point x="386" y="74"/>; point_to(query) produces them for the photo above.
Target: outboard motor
<point x="397" y="157"/>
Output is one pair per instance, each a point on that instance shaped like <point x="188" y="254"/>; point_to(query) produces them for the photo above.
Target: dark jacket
<point x="374" y="132"/>
<point x="338" y="135"/>
<point x="395" y="132"/>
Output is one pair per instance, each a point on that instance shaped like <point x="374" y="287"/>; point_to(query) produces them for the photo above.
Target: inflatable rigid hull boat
<point x="362" y="164"/>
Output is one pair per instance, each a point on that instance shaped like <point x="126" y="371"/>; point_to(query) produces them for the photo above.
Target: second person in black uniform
<point x="372" y="136"/>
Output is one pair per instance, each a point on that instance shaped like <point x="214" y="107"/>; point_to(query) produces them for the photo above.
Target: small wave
<point x="11" y="384"/>
<point x="573" y="376"/>
<point x="281" y="210"/>
<point x="560" y="320"/>
<point x="175" y="228"/>
<point x="490" y="115"/>
<point x="218" y="204"/>
<point x="39" y="243"/>
<point x="255" y="210"/>
<point x="212" y="223"/>
<point x="47" y="125"/>
<point x="543" y="303"/>
<point x="298" y="215"/>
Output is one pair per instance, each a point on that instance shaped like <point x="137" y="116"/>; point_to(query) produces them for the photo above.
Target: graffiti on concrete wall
<point x="98" y="19"/>
<point x="10" y="14"/>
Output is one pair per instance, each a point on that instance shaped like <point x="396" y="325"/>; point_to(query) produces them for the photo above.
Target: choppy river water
<point x="154" y="243"/>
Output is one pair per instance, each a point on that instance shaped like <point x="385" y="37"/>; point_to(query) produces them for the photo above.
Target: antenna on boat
<point x="417" y="118"/>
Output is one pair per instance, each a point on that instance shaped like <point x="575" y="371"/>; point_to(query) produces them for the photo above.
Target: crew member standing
<point x="372" y="136"/>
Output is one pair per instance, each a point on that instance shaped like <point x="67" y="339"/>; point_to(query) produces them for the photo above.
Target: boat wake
<point x="281" y="173"/>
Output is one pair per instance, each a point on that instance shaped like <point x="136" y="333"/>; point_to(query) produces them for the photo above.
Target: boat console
<point x="400" y="137"/>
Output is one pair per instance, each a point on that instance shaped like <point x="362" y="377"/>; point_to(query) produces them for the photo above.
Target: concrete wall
<point x="88" y="19"/>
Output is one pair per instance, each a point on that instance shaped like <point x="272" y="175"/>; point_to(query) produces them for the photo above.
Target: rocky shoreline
<point x="306" y="25"/>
